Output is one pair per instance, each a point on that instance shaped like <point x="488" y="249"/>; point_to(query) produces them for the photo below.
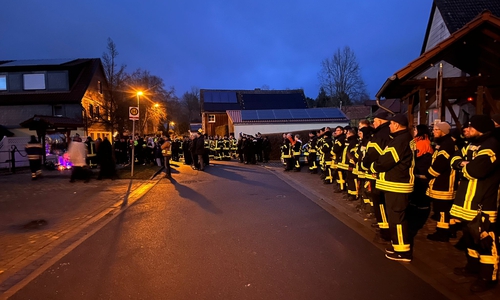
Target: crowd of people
<point x="399" y="178"/>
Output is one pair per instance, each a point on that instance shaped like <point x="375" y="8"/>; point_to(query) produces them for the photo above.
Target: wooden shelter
<point x="475" y="50"/>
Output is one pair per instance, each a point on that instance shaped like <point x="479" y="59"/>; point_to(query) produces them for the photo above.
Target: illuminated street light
<point x="139" y="94"/>
<point x="157" y="105"/>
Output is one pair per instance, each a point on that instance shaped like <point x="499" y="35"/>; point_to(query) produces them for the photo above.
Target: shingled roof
<point x="457" y="13"/>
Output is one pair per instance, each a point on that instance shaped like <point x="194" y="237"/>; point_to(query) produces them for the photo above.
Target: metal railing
<point x="12" y="158"/>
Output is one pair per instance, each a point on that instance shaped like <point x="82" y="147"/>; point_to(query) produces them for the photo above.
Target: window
<point x="211" y="118"/>
<point x="34" y="81"/>
<point x="57" y="81"/>
<point x="97" y="112"/>
<point x="58" y="110"/>
<point x="3" y="82"/>
<point x="91" y="111"/>
<point x="99" y="87"/>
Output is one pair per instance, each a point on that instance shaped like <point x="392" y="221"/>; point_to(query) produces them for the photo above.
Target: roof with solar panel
<point x="298" y="115"/>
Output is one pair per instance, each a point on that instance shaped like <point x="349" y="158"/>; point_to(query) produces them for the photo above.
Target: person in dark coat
<point x="194" y="138"/>
<point x="34" y="151"/>
<point x="199" y="150"/>
<point x="266" y="149"/>
<point x="186" y="146"/>
<point x="106" y="161"/>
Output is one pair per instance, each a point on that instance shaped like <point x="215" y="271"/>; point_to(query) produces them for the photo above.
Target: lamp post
<point x="133" y="138"/>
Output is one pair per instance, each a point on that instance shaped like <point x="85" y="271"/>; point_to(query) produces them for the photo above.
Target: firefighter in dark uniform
<point x="206" y="147"/>
<point x="326" y="149"/>
<point x="442" y="182"/>
<point x="339" y="165"/>
<point x="288" y="152"/>
<point x="297" y="151"/>
<point x="365" y="135"/>
<point x="311" y="146"/>
<point x="478" y="190"/>
<point x="350" y="163"/>
<point x="374" y="149"/>
<point x="92" y="153"/>
<point x="395" y="178"/>
<point x="319" y="150"/>
<point x="226" y="147"/>
<point x="34" y="151"/>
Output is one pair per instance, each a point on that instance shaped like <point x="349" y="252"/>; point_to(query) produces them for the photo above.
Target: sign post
<point x="133" y="114"/>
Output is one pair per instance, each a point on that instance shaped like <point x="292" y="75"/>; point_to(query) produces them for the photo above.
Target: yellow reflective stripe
<point x="488" y="259"/>
<point x="488" y="152"/>
<point x="374" y="146"/>
<point x="494" y="253"/>
<point x="442" y="222"/>
<point x="454" y="159"/>
<point x="390" y="186"/>
<point x="469" y="215"/>
<point x="384" y="224"/>
<point x="433" y="172"/>
<point x="443" y="153"/>
<point x="472" y="253"/>
<point x="401" y="246"/>
<point x="440" y="195"/>
<point x="372" y="169"/>
<point x="471" y="191"/>
<point x="394" y="153"/>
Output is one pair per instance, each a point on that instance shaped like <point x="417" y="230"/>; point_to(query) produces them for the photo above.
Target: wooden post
<point x="423" y="106"/>
<point x="411" y="100"/>
<point x="480" y="100"/>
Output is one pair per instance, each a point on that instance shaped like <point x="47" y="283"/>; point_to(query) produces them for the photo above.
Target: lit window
<point x="91" y="111"/>
<point x="211" y="118"/>
<point x="3" y="82"/>
<point x="97" y="112"/>
<point x="34" y="81"/>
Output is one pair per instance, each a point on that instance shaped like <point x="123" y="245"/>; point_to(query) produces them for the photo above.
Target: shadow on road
<point x="190" y="194"/>
<point x="233" y="173"/>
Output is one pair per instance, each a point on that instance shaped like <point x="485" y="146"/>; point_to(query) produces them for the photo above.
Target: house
<point x="458" y="72"/>
<point x="284" y="120"/>
<point x="60" y="95"/>
<point x="216" y="103"/>
<point x="356" y="113"/>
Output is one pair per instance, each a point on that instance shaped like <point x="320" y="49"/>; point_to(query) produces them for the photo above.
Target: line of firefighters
<point x="399" y="176"/>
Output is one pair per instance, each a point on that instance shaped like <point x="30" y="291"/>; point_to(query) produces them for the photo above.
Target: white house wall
<point x="281" y="128"/>
<point x="438" y="31"/>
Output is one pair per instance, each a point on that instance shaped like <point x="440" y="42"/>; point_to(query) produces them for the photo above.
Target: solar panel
<point x="247" y="115"/>
<point x="282" y="114"/>
<point x="266" y="114"/>
<point x="299" y="114"/>
<point x="316" y="113"/>
<point x="37" y="62"/>
<point x="332" y="113"/>
<point x="220" y="97"/>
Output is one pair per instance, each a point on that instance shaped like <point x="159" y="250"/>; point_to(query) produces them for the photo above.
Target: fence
<point x="12" y="153"/>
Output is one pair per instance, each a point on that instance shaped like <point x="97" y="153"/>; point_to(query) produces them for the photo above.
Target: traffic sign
<point x="133" y="113"/>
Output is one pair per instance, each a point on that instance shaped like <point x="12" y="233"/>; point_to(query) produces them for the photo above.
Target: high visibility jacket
<point x="481" y="177"/>
<point x="297" y="148"/>
<point x="226" y="145"/>
<point x="375" y="148"/>
<point x="234" y="144"/>
<point x="34" y="151"/>
<point x="326" y="149"/>
<point x="442" y="183"/>
<point x="395" y="165"/>
<point x="311" y="145"/>
<point x="349" y="153"/>
<point x="287" y="149"/>
<point x="360" y="154"/>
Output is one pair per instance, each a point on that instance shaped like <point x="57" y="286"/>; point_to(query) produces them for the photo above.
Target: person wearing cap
<point x="34" y="151"/>
<point x="442" y="180"/>
<point x="339" y="165"/>
<point x="311" y="146"/>
<point x="326" y="149"/>
<point x="395" y="178"/>
<point x="478" y="190"/>
<point x="374" y="148"/>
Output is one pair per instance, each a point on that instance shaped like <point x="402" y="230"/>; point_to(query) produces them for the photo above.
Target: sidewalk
<point x="433" y="261"/>
<point x="37" y="217"/>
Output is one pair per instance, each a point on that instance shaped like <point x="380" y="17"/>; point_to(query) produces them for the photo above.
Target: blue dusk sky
<point x="221" y="44"/>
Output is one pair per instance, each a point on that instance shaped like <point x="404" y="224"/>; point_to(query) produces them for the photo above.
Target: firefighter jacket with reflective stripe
<point x="395" y="165"/>
<point x="360" y="153"/>
<point x="311" y="145"/>
<point x="481" y="177"/>
<point x="375" y="147"/>
<point x="442" y="179"/>
<point x="34" y="151"/>
<point x="349" y="144"/>
<point x="350" y="152"/>
<point x="287" y="148"/>
<point x="338" y="148"/>
<point x="326" y="149"/>
<point x="297" y="148"/>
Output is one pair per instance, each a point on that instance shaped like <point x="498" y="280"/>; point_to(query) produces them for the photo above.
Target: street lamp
<point x="139" y="94"/>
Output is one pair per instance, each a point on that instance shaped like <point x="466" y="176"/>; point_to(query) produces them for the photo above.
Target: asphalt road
<point x="233" y="232"/>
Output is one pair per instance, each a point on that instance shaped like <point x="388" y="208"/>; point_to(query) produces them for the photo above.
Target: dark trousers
<point x="35" y="167"/>
<point x="166" y="164"/>
<point x="352" y="184"/>
<point x="482" y="258"/>
<point x="313" y="165"/>
<point x="396" y="205"/>
<point x="80" y="173"/>
<point x="267" y="154"/>
<point x="201" y="163"/>
<point x="378" y="199"/>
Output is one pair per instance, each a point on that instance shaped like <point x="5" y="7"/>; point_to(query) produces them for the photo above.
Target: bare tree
<point x="115" y="76"/>
<point x="341" y="79"/>
<point x="191" y="103"/>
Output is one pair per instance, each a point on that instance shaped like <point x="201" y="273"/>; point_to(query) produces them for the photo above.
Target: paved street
<point x="233" y="232"/>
